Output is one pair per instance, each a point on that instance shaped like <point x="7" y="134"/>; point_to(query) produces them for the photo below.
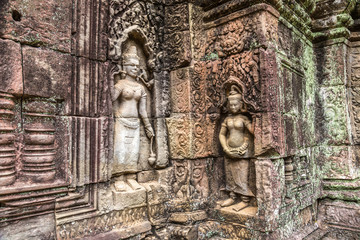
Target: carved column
<point x="7" y="138"/>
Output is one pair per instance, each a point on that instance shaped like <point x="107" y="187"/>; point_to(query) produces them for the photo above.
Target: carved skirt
<point x="237" y="176"/>
<point x="126" y="145"/>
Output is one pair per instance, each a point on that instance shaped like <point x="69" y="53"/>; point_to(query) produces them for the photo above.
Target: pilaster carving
<point x="38" y="159"/>
<point x="7" y="140"/>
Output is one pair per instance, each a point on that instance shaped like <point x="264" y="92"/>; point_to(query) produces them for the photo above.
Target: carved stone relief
<point x="7" y="140"/>
<point x="137" y="26"/>
<point x="145" y="17"/>
<point x="191" y="180"/>
<point x="38" y="161"/>
<point x="237" y="140"/>
<point x="130" y="103"/>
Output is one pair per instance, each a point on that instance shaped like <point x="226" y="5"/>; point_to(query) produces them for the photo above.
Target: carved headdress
<point x="235" y="93"/>
<point x="235" y="89"/>
<point x="130" y="55"/>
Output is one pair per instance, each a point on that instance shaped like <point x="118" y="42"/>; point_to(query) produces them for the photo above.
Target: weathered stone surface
<point x="331" y="68"/>
<point x="178" y="48"/>
<point x="9" y="119"/>
<point x="90" y="89"/>
<point x="268" y="197"/>
<point x="337" y="162"/>
<point x="186" y="217"/>
<point x="224" y="230"/>
<point x="46" y="73"/>
<point x="268" y="133"/>
<point x="340" y="214"/>
<point x="162" y="95"/>
<point x="126" y="223"/>
<point x="40" y="23"/>
<point x="331" y="117"/>
<point x="31" y="228"/>
<point x="129" y="194"/>
<point x="88" y="141"/>
<point x="177" y="17"/>
<point x="180" y="92"/>
<point x="11" y="67"/>
<point x="354" y="94"/>
<point x="89" y="29"/>
<point x="355" y="66"/>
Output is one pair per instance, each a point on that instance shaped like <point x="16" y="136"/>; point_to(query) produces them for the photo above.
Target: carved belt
<point x="133" y="124"/>
<point x="239" y="150"/>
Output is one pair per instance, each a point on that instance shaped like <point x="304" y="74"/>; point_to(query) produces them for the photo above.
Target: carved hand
<point x="149" y="132"/>
<point x="227" y="151"/>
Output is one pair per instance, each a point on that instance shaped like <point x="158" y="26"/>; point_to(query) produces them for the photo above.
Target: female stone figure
<point x="129" y="98"/>
<point x="236" y="138"/>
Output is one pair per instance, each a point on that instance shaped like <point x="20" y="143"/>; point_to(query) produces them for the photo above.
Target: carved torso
<point x="130" y="93"/>
<point x="236" y="126"/>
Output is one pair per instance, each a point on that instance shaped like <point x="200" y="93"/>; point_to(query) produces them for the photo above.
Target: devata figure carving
<point x="129" y="103"/>
<point x="236" y="138"/>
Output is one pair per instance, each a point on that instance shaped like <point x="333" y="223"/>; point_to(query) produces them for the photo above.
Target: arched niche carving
<point x="134" y="49"/>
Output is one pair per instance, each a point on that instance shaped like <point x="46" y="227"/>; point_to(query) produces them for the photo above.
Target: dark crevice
<point x="16" y="15"/>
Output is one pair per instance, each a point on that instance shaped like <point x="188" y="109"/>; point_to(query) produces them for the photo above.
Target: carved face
<point x="131" y="66"/>
<point x="235" y="105"/>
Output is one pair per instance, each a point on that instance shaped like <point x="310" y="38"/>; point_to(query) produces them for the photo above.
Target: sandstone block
<point x="11" y="67"/>
<point x="46" y="73"/>
<point x="177" y="17"/>
<point x="178" y="49"/>
<point x="337" y="162"/>
<point x="30" y="228"/>
<point x="127" y="195"/>
<point x="38" y="23"/>
<point x="331" y="118"/>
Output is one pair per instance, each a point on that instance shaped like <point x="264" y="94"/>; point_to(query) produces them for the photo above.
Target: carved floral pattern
<point x="146" y="16"/>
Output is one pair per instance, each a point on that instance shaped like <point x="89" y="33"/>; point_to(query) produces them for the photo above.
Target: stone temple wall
<point x="91" y="150"/>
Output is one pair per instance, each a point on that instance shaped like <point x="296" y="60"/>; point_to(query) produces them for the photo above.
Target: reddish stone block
<point x="37" y="23"/>
<point x="162" y="95"/>
<point x="269" y="133"/>
<point x="89" y="29"/>
<point x="46" y="73"/>
<point x="198" y="89"/>
<point x="188" y="137"/>
<point x="199" y="141"/>
<point x="355" y="66"/>
<point x="354" y="94"/>
<point x="270" y="84"/>
<point x="10" y="67"/>
<point x="268" y="21"/>
<point x="341" y="213"/>
<point x="180" y="90"/>
<point x="268" y="196"/>
<point x="213" y="125"/>
<point x="290" y="124"/>
<point x="179" y="132"/>
<point x="199" y="179"/>
<point x="90" y="88"/>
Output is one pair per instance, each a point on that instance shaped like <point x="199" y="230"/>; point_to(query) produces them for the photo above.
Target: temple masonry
<point x="180" y="119"/>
